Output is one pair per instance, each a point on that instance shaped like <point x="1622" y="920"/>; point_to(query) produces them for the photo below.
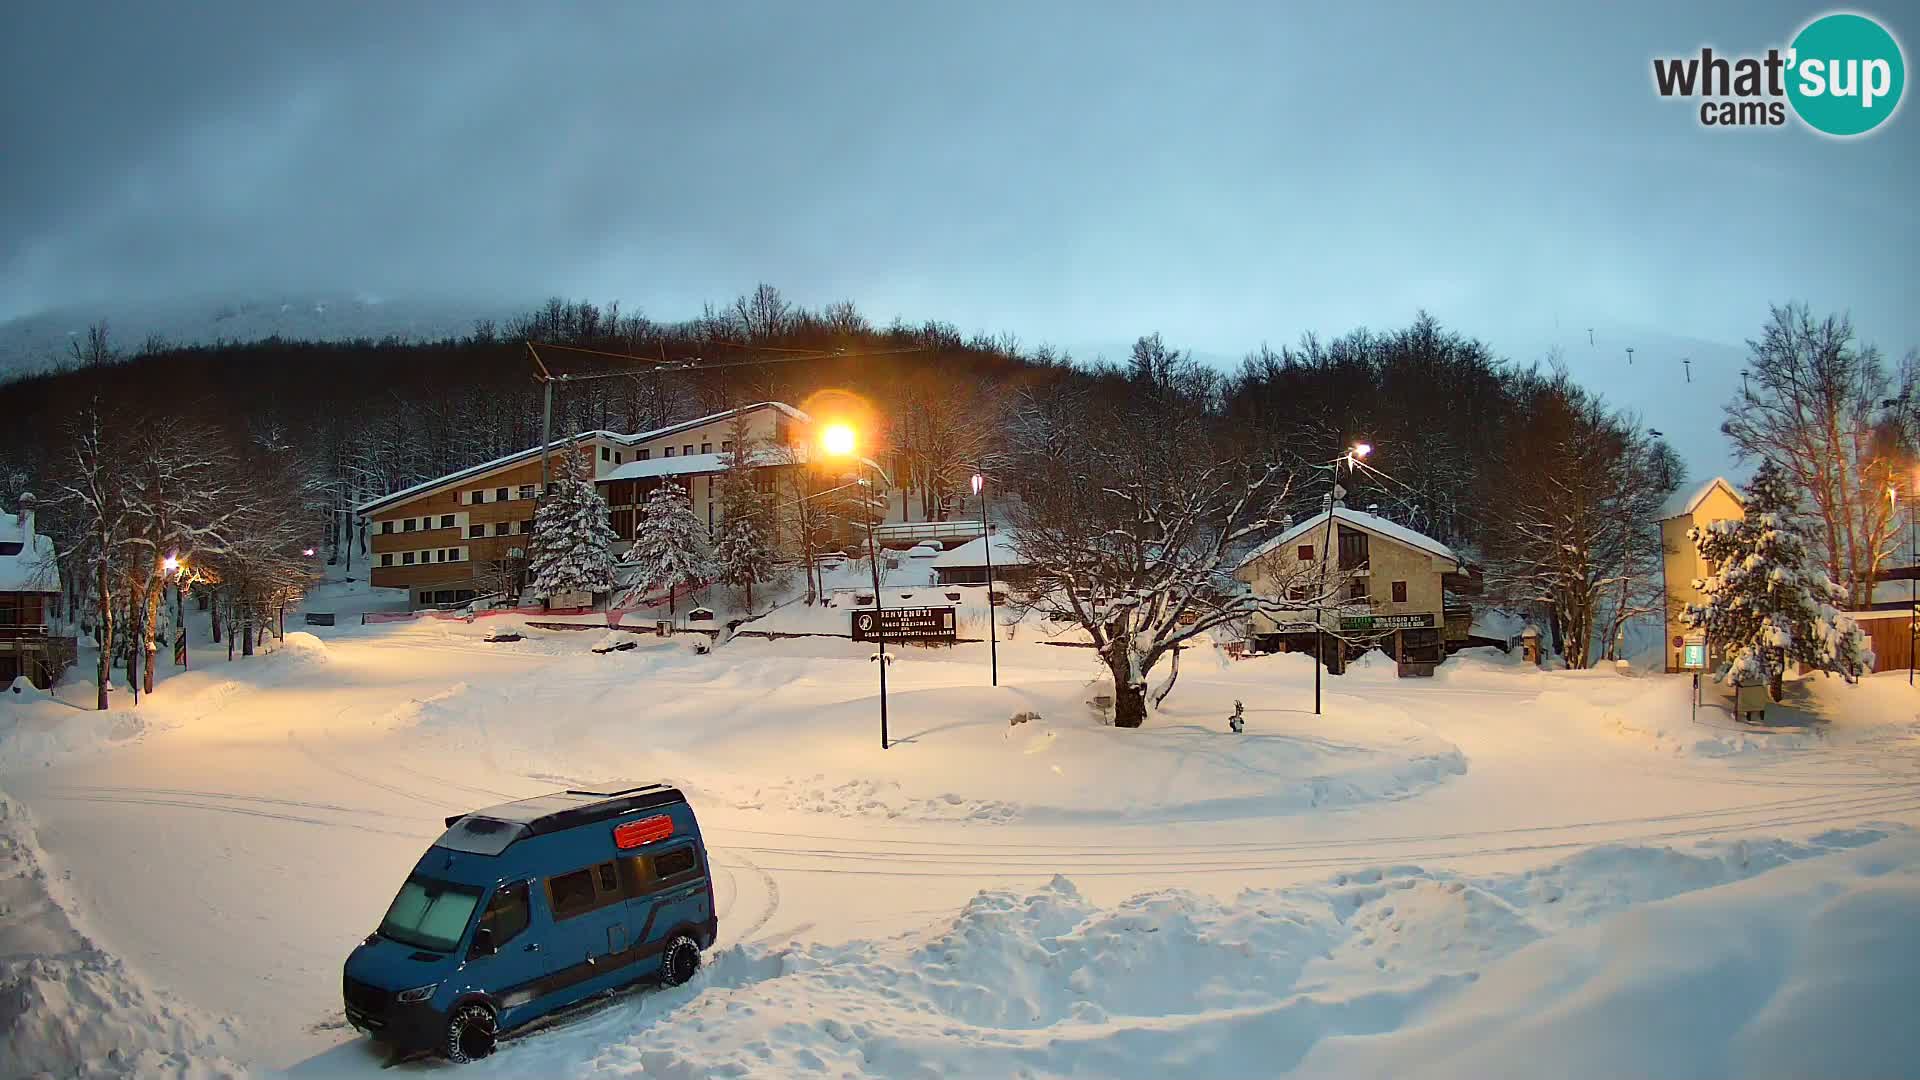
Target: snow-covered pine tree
<point x="1768" y="602"/>
<point x="572" y="542"/>
<point x="743" y="549"/>
<point x="668" y="551"/>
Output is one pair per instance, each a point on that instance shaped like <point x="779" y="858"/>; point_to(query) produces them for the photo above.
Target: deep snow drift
<point x="69" y="1009"/>
<point x="1808" y="970"/>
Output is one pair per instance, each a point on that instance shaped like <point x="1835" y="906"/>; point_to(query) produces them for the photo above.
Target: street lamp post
<point x="839" y="441"/>
<point x="1913" y="571"/>
<point x="1353" y="453"/>
<point x="178" y="571"/>
<point x="986" y="541"/>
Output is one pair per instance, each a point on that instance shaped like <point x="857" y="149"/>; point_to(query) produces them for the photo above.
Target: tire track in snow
<point x="350" y="774"/>
<point x="769" y="886"/>
<point x="1910" y="802"/>
<point x="240" y="811"/>
<point x="1254" y="847"/>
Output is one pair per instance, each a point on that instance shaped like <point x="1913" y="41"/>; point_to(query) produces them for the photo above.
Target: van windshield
<point x="430" y="914"/>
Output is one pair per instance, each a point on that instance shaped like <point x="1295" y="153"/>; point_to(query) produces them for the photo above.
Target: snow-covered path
<point x="235" y="853"/>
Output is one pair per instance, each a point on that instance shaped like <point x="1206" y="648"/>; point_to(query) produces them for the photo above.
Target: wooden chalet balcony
<point x="22" y="631"/>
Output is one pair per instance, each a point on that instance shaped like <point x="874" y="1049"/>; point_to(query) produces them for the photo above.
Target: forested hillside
<point x="1504" y="461"/>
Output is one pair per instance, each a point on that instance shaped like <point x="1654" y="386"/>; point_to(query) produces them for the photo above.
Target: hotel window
<point x="406" y="558"/>
<point x="407" y="525"/>
<point x="687" y="449"/>
<point x="1399" y="592"/>
<point x="669" y="451"/>
<point x="706" y="448"/>
<point x="386" y="559"/>
<point x="500" y="528"/>
<point x="1353" y="549"/>
<point x="1305" y="552"/>
<point x="1357" y="589"/>
<point x="616" y="457"/>
<point x="476" y="530"/>
<point x="726" y="446"/>
<point x="606" y="454"/>
<point x="446" y="521"/>
<point x="501" y="495"/>
<point x="386" y="526"/>
<point x="479" y="497"/>
<point x="642" y="455"/>
<point x="526" y="526"/>
<point x="526" y="491"/>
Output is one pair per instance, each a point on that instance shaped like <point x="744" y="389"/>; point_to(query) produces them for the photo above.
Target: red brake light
<point x="643" y="832"/>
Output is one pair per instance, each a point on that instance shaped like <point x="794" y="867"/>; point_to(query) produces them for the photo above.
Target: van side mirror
<point x="483" y="942"/>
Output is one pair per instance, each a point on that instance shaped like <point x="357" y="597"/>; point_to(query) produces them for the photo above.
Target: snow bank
<point x="36" y="729"/>
<point x="67" y="1008"/>
<point x="1811" y="970"/>
<point x="1380" y="973"/>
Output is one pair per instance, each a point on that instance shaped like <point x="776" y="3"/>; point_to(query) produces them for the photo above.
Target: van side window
<point x="609" y="883"/>
<point x="673" y="863"/>
<point x="571" y="894"/>
<point x="643" y="874"/>
<point x="507" y="913"/>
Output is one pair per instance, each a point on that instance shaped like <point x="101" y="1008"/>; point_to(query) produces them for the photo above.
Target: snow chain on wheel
<point x="470" y="1034"/>
<point x="682" y="959"/>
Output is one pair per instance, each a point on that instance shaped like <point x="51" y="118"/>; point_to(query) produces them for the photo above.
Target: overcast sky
<point x="1225" y="174"/>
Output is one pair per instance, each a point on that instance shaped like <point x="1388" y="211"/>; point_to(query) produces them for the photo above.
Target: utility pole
<point x="1687" y="363"/>
<point x="1629" y="356"/>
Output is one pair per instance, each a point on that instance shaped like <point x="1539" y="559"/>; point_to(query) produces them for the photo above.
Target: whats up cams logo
<point x="1842" y="76"/>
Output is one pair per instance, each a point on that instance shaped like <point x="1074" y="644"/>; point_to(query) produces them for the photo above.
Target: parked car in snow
<point x="528" y="907"/>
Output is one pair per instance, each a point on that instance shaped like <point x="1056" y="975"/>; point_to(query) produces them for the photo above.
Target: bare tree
<point x="1128" y="529"/>
<point x="1571" y="504"/>
<point x="1811" y="406"/>
<point x="91" y="492"/>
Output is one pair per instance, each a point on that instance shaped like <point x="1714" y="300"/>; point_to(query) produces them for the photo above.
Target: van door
<point x="590" y="937"/>
<point x="515" y="972"/>
<point x="669" y="889"/>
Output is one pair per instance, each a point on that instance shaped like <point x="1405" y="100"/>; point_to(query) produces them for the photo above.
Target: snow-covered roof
<point x="669" y="466"/>
<point x="974" y="553"/>
<point x="31" y="568"/>
<point x="1359" y="519"/>
<point x="659" y="433"/>
<point x="1684" y="502"/>
<point x="561" y="444"/>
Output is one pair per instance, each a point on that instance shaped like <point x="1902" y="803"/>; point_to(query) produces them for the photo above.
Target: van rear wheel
<point x="471" y="1033"/>
<point x="681" y="960"/>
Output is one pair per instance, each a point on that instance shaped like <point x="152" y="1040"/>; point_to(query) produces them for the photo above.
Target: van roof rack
<point x="578" y="806"/>
<point x="608" y="791"/>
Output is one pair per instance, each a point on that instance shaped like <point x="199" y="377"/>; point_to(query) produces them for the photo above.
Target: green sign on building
<point x="1422" y="621"/>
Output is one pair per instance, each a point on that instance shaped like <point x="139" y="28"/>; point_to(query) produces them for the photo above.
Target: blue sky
<point x="1222" y="173"/>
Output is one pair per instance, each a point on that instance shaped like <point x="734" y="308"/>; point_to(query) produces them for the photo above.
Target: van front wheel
<point x="680" y="961"/>
<point x="471" y="1032"/>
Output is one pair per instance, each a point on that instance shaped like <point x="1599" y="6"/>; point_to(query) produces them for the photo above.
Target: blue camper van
<point x="525" y="908"/>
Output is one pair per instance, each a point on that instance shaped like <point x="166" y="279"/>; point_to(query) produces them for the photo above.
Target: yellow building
<point x="1392" y="582"/>
<point x="1715" y="500"/>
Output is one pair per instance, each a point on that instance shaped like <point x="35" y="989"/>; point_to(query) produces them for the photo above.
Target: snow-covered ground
<point x="1456" y="875"/>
